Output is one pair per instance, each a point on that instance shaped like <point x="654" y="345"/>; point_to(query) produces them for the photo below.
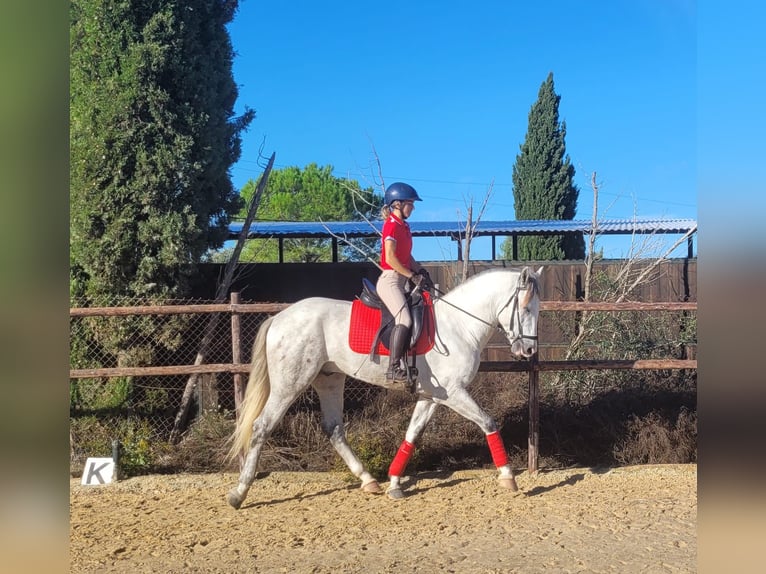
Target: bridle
<point x="514" y="312"/>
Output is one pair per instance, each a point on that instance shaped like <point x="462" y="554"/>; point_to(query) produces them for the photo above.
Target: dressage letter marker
<point x="98" y="471"/>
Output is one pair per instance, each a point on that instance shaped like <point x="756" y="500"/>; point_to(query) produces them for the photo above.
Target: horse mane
<point x="473" y="278"/>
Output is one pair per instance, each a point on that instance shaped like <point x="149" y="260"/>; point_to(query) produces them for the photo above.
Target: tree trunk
<point x="183" y="411"/>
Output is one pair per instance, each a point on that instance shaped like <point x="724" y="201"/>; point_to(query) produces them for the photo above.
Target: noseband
<point x="517" y="313"/>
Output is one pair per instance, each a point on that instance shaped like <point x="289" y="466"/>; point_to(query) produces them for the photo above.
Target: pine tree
<point x="311" y="194"/>
<point x="543" y="182"/>
<point x="152" y="137"/>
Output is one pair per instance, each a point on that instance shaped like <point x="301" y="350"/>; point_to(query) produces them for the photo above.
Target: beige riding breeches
<point x="390" y="288"/>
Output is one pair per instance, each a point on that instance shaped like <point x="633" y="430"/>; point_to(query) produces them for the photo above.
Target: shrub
<point x="654" y="439"/>
<point x="93" y="437"/>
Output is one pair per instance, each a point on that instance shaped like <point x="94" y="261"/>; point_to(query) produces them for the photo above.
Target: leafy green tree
<point x="543" y="182"/>
<point x="310" y="194"/>
<point x="152" y="137"/>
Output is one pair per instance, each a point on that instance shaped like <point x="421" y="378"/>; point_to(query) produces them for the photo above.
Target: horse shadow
<point x="445" y="480"/>
<point x="298" y="496"/>
<point x="410" y="483"/>
<point x="538" y="490"/>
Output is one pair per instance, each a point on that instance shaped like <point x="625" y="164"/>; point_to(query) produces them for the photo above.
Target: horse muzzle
<point x="524" y="346"/>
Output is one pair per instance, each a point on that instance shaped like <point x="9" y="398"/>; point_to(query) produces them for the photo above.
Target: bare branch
<point x="630" y="275"/>
<point x="380" y="168"/>
<point x="223" y="288"/>
<point x="470" y="228"/>
<point x="657" y="261"/>
<point x="348" y="242"/>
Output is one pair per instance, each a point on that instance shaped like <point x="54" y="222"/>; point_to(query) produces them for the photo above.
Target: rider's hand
<point x="418" y="281"/>
<point x="426" y="282"/>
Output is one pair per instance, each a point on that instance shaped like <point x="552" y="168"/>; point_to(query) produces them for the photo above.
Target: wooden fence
<point x="532" y="366"/>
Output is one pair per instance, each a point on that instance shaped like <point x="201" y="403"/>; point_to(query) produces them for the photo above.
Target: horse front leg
<point x="463" y="404"/>
<point x="424" y="410"/>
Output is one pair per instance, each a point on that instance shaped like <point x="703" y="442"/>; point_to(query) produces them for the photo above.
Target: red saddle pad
<point x="365" y="322"/>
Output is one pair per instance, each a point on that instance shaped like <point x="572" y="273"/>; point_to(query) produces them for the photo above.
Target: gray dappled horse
<point x="307" y="344"/>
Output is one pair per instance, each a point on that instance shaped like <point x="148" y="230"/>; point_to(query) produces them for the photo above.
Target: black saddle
<point x="415" y="302"/>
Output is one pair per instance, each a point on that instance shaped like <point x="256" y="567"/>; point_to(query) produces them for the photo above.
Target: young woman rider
<point x="398" y="266"/>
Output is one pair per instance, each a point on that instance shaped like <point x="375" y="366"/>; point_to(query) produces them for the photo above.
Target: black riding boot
<point x="400" y="336"/>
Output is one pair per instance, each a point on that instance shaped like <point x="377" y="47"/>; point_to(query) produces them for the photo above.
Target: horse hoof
<point x="234" y="498"/>
<point x="372" y="487"/>
<point x="395" y="493"/>
<point x="509" y="483"/>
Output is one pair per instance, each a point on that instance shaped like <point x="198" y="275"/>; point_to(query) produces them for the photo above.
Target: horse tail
<point x="256" y="394"/>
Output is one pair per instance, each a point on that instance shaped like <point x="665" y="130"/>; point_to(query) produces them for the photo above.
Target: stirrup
<point x="412" y="378"/>
<point x="397" y="376"/>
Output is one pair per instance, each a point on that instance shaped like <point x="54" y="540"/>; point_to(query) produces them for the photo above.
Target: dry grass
<point x="644" y="424"/>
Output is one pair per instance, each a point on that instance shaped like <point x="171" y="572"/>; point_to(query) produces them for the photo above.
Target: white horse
<point x="307" y="344"/>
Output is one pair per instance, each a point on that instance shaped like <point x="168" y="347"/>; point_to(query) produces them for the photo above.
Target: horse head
<point x="524" y="309"/>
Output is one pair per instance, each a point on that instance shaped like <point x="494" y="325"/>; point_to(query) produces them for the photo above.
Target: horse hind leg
<point x="329" y="388"/>
<point x="262" y="429"/>
<point x="264" y="425"/>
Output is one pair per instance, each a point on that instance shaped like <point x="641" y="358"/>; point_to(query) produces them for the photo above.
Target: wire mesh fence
<point x="126" y="358"/>
<point x="143" y="409"/>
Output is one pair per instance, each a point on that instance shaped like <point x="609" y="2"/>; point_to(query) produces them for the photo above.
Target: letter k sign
<point x="98" y="471"/>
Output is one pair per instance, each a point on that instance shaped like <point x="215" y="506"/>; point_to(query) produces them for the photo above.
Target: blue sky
<point x="442" y="91"/>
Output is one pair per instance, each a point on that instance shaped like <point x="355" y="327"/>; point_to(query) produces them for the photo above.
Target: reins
<point x="514" y="297"/>
<point x="440" y="292"/>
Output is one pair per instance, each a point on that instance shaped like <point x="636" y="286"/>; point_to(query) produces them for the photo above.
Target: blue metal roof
<point x="348" y="229"/>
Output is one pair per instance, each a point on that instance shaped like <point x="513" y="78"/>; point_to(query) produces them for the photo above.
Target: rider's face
<point x="407" y="207"/>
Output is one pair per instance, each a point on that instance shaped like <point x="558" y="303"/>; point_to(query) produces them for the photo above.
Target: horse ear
<point x="524" y="277"/>
<point x="539" y="270"/>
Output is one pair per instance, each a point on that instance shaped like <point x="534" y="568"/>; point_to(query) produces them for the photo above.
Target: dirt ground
<point x="631" y="519"/>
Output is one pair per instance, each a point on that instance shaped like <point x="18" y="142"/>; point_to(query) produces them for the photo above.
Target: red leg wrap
<point x="497" y="449"/>
<point x="400" y="460"/>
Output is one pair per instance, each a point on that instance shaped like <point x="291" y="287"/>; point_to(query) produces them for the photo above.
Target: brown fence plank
<point x="484" y="366"/>
<point x="607" y="306"/>
<point x="584" y="365"/>
<point x="166" y="370"/>
<point x="277" y="307"/>
<point x="177" y="309"/>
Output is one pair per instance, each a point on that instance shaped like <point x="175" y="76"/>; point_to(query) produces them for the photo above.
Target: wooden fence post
<point x="534" y="414"/>
<point x="236" y="354"/>
<point x="236" y="358"/>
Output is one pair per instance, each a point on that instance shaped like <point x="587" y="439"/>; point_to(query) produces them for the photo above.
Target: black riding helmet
<point x="399" y="191"/>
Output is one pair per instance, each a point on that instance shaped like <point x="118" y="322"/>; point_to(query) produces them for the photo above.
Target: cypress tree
<point x="543" y="182"/>
<point x="152" y="137"/>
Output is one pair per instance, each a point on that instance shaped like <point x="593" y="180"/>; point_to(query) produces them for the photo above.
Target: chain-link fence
<point x="132" y="364"/>
<point x="131" y="336"/>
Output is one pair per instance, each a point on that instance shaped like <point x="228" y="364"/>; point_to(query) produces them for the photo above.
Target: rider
<point x="398" y="267"/>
